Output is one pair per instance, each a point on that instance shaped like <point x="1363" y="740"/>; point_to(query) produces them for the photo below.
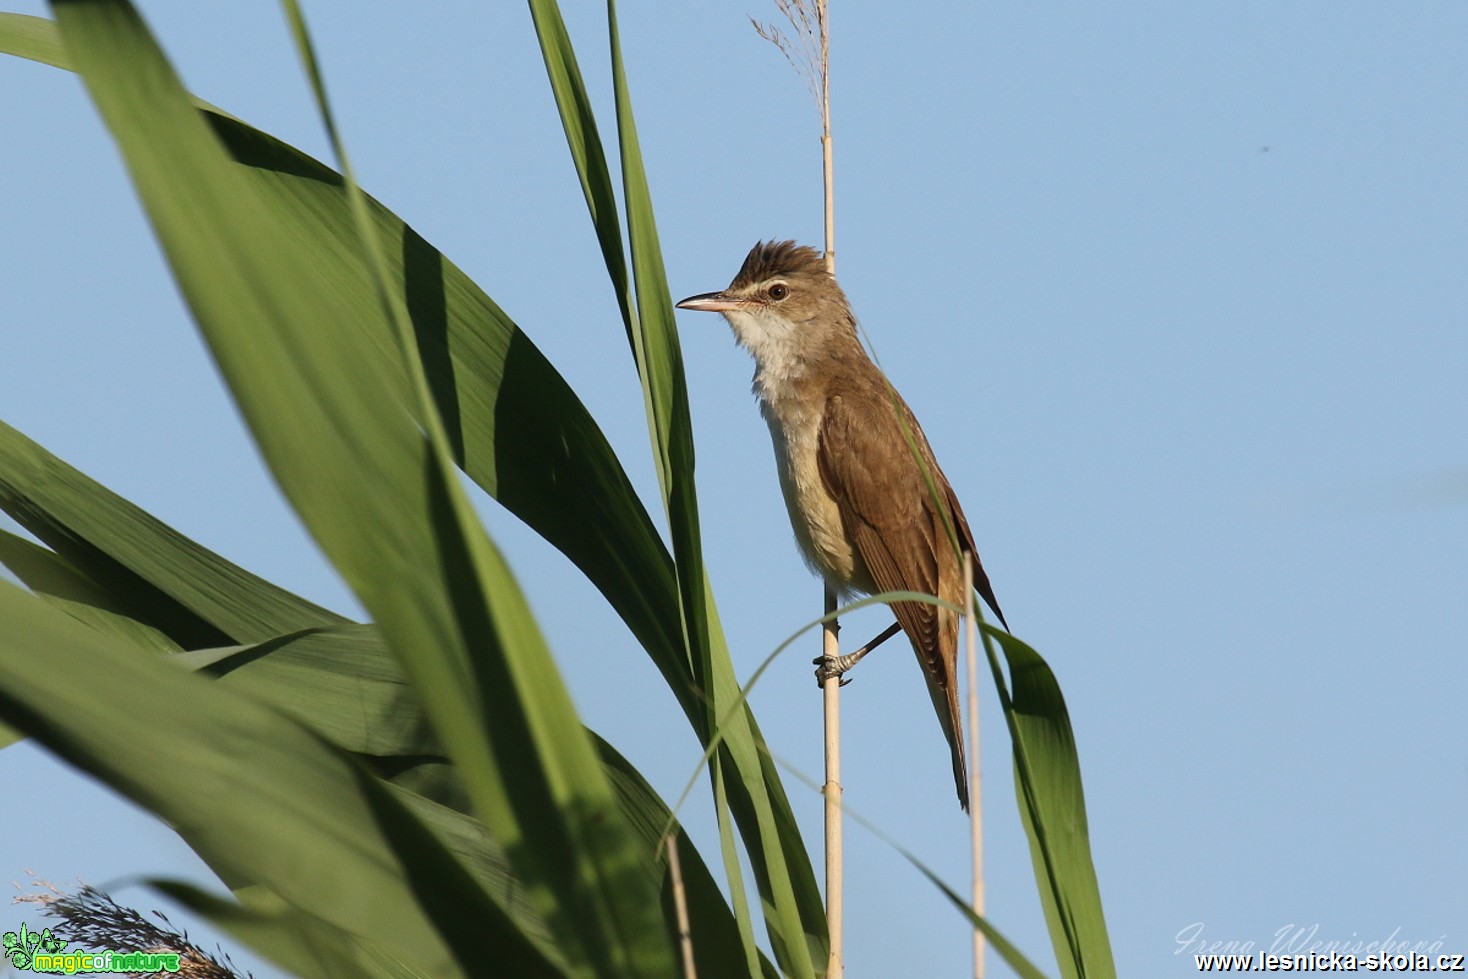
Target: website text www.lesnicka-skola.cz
<point x="1261" y="961"/>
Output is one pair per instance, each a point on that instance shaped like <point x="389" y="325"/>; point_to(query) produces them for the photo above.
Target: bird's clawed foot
<point x="832" y="666"/>
<point x="829" y="666"/>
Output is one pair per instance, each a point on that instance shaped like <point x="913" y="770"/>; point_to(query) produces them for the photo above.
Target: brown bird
<point x="872" y="511"/>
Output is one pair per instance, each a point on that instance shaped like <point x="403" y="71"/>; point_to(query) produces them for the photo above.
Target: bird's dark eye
<point x="779" y="291"/>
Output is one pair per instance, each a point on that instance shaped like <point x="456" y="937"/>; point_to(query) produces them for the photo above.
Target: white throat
<point x="774" y="341"/>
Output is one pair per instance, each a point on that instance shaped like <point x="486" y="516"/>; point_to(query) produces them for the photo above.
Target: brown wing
<point x="890" y="516"/>
<point x="884" y="505"/>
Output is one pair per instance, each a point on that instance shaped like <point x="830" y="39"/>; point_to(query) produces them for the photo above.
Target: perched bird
<point x="872" y="512"/>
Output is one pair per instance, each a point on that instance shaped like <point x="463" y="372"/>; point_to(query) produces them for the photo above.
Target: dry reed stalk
<point x="680" y="907"/>
<point x="831" y="791"/>
<point x="975" y="779"/>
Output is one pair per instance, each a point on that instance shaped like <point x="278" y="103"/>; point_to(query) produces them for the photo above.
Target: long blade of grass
<point x="785" y="875"/>
<point x="350" y="458"/>
<point x="794" y="915"/>
<point x="793" y="911"/>
<point x="1007" y="950"/>
<point x="1052" y="806"/>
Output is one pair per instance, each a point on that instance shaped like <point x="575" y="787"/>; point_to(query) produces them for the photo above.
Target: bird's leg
<point x="829" y="666"/>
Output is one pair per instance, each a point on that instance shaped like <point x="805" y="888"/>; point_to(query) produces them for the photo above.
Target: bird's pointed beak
<point x="714" y="302"/>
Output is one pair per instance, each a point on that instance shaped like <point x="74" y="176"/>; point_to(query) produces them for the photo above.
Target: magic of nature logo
<point x="29" y="951"/>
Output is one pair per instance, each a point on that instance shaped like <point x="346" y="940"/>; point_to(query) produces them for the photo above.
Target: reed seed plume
<point x="802" y="46"/>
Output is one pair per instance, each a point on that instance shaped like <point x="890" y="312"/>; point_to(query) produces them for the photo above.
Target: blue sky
<point x="1177" y="290"/>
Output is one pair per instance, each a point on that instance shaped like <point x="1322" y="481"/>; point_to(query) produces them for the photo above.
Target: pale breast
<point x="814" y="516"/>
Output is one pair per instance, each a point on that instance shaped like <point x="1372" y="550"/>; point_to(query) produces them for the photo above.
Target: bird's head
<point x="783" y="305"/>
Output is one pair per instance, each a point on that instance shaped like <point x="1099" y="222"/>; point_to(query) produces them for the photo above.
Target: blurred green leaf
<point x="341" y="681"/>
<point x="255" y="795"/>
<point x="1052" y="806"/>
<point x="56" y="580"/>
<point x="183" y="590"/>
<point x="717" y="944"/>
<point x="33" y="38"/>
<point x="303" y="943"/>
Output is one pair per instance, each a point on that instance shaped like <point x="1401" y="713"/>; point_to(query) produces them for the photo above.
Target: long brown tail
<point x="943" y="689"/>
<point x="952" y="721"/>
<point x="933" y="633"/>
